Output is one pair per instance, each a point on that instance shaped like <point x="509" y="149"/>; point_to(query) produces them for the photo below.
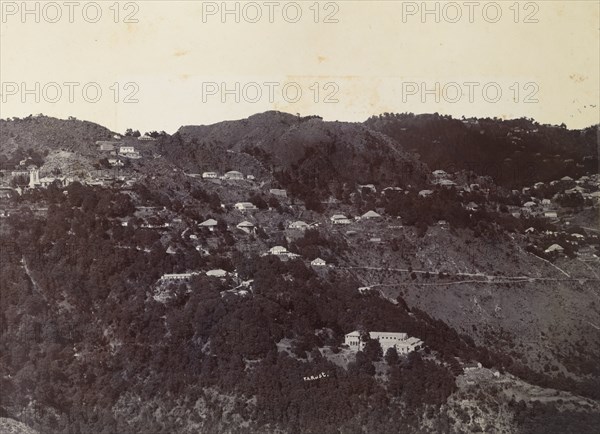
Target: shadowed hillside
<point x="514" y="152"/>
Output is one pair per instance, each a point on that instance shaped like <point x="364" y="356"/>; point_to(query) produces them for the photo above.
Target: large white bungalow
<point x="387" y="340"/>
<point x="340" y="219"/>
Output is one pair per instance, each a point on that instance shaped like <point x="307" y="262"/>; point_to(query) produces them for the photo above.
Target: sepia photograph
<point x="300" y="217"/>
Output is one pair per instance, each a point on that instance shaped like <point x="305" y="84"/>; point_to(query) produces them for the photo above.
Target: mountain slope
<point x="310" y="157"/>
<point x="515" y="152"/>
<point x="42" y="134"/>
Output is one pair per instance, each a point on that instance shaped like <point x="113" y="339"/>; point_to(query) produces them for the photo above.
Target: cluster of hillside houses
<point x="116" y="151"/>
<point x="586" y="186"/>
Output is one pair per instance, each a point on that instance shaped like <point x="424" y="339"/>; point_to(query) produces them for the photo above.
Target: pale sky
<point x="180" y="59"/>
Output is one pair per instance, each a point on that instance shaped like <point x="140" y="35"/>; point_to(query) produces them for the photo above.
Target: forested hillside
<point x="147" y="298"/>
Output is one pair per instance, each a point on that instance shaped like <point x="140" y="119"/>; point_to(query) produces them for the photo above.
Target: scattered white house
<point x="425" y="193"/>
<point x="551" y="214"/>
<point x="472" y="367"/>
<point x="178" y="276"/>
<point x="217" y="273"/>
<point x="440" y="173"/>
<point x="245" y="206"/>
<point x="340" y="219"/>
<point x="554" y="248"/>
<point x="370" y="215"/>
<point x="299" y="225"/>
<point x="566" y="178"/>
<point x="211" y="224"/>
<point x="106" y="146"/>
<point x="446" y="183"/>
<point x="529" y="204"/>
<point x="400" y="341"/>
<point x="210" y="175"/>
<point x="234" y="175"/>
<point x="318" y="262"/>
<point x="387" y="189"/>
<point x="246" y="226"/>
<point x="278" y="250"/>
<point x="250" y="177"/>
<point x="278" y="192"/>
<point x="146" y="137"/>
<point x="129" y="152"/>
<point x="472" y="206"/>
<point x="281" y="252"/>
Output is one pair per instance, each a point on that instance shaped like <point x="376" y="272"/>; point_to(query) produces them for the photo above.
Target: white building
<point x="446" y="183"/>
<point x="106" y="146"/>
<point x="300" y="225"/>
<point x="246" y="226"/>
<point x="217" y="273"/>
<point x="129" y="152"/>
<point x="472" y="206"/>
<point x="370" y="215"/>
<point x="387" y="340"/>
<point x="340" y="219"/>
<point x="234" y="175"/>
<point x="318" y="262"/>
<point x="554" y="248"/>
<point x="211" y="224"/>
<point x="245" y="206"/>
<point x="115" y="162"/>
<point x="278" y="250"/>
<point x="210" y="175"/>
<point x="278" y="192"/>
<point x="34" y="177"/>
<point x="178" y="276"/>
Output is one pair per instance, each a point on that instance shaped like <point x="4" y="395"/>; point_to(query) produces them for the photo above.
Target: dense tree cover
<point x="515" y="153"/>
<point x="28" y="156"/>
<point x="82" y="330"/>
<point x="91" y="298"/>
<point x="333" y="170"/>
